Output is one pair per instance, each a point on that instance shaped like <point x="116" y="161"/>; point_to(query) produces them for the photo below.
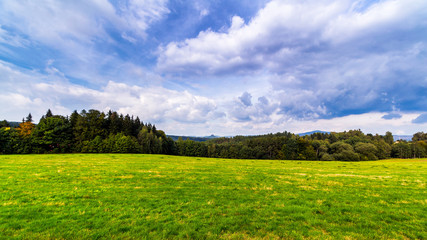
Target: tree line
<point x="86" y="132"/>
<point x="351" y="145"/>
<point x="96" y="132"/>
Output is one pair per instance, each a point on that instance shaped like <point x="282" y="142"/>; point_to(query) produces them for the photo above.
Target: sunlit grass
<point x="153" y="196"/>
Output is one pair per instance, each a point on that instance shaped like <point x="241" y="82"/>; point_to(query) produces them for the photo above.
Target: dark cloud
<point x="246" y="99"/>
<point x="243" y="110"/>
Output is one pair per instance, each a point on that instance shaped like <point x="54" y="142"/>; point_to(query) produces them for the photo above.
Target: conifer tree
<point x="29" y="118"/>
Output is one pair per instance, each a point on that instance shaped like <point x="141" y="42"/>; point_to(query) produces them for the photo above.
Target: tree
<point x="419" y="149"/>
<point x="89" y="125"/>
<point x="388" y="138"/>
<point x="53" y="134"/>
<point x="419" y="136"/>
<point x="383" y="149"/>
<point x="29" y="118"/>
<point x="290" y="149"/>
<point x="127" y="125"/>
<point x="327" y="157"/>
<point x="73" y="118"/>
<point x="115" y="123"/>
<point x="149" y="142"/>
<point x="95" y="145"/>
<point x="49" y="114"/>
<point x="401" y="150"/>
<point x="342" y="151"/>
<point x="4" y="123"/>
<point x="125" y="144"/>
<point x="25" y="129"/>
<point x="366" y="151"/>
<point x="346" y="155"/>
<point x="339" y="147"/>
<point x="6" y="140"/>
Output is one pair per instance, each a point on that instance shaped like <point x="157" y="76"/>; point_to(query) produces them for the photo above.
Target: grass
<point x="112" y="196"/>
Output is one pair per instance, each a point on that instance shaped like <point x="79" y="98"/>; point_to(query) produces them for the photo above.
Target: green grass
<point x="112" y="196"/>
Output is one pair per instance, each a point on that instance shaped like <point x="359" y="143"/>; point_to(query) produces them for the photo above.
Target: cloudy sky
<point x="222" y="67"/>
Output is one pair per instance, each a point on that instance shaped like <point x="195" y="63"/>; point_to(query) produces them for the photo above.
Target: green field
<point x="112" y="196"/>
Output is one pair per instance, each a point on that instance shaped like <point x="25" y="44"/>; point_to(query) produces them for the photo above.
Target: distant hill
<point x="309" y="133"/>
<point x="402" y="137"/>
<point x="11" y="124"/>
<point x="196" y="139"/>
<point x="14" y="124"/>
<point x="395" y="137"/>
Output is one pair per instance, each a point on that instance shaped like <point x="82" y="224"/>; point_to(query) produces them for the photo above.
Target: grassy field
<point x="111" y="196"/>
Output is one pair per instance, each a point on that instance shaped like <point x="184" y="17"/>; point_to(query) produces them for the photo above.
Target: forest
<point x="94" y="131"/>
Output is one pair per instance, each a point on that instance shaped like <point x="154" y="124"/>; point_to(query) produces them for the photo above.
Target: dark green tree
<point x="53" y="134"/>
<point x="401" y="150"/>
<point x="366" y="151"/>
<point x="29" y="118"/>
<point x="419" y="136"/>
<point x="388" y="138"/>
<point x="49" y="114"/>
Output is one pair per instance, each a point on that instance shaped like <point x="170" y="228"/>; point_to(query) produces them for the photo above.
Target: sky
<point x="220" y="67"/>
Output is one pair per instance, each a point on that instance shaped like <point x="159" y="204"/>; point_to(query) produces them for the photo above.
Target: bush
<point x="366" y="151"/>
<point x="327" y="157"/>
<point x="346" y="155"/>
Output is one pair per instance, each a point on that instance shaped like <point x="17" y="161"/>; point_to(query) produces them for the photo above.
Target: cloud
<point x="154" y="104"/>
<point x="12" y="39"/>
<point x="375" y="20"/>
<point x="420" y="119"/>
<point x="62" y="22"/>
<point x="246" y="99"/>
<point x="275" y="31"/>
<point x="177" y="112"/>
<point x="91" y="42"/>
<point x="324" y="58"/>
<point x="289" y="65"/>
<point x="243" y="110"/>
<point x="139" y="15"/>
<point x="283" y="30"/>
<point x="23" y="91"/>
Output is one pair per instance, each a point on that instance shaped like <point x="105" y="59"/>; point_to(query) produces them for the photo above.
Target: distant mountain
<point x="11" y="124"/>
<point x="14" y="124"/>
<point x="203" y="139"/>
<point x="196" y="139"/>
<point x="402" y="137"/>
<point x="309" y="133"/>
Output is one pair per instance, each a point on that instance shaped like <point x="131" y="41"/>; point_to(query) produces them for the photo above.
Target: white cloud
<point x="377" y="19"/>
<point x="60" y="22"/>
<point x="24" y="91"/>
<point x="176" y="112"/>
<point x="273" y="31"/>
<point x="294" y="62"/>
<point x="81" y="36"/>
<point x="283" y="30"/>
<point x="139" y="14"/>
<point x="323" y="58"/>
<point x="368" y="123"/>
<point x="154" y="104"/>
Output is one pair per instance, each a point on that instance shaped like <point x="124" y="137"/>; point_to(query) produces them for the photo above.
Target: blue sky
<point x="220" y="67"/>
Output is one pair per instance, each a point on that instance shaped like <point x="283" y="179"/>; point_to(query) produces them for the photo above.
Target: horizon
<point x="225" y="68"/>
<point x="212" y="135"/>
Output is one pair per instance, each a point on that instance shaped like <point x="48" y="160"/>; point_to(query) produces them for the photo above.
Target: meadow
<point x="135" y="196"/>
